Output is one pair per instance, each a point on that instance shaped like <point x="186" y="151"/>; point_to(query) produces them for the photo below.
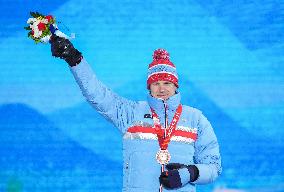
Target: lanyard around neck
<point x="164" y="139"/>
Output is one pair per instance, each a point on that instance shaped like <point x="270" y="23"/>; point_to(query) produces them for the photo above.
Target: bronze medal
<point x="163" y="156"/>
<point x="164" y="135"/>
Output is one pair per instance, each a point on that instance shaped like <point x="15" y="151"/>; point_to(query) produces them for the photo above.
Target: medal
<point x="164" y="135"/>
<point x="163" y="157"/>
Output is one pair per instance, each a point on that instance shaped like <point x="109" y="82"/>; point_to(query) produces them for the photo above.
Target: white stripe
<point x="182" y="139"/>
<point x="162" y="72"/>
<point x="151" y="136"/>
<point x="140" y="135"/>
<point x="187" y="129"/>
<point x="160" y="64"/>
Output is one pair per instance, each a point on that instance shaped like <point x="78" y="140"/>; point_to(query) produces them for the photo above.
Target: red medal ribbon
<point x="163" y="139"/>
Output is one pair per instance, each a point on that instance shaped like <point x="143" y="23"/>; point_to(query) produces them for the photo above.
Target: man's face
<point x="162" y="89"/>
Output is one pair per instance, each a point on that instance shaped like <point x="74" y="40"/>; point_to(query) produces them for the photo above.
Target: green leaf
<point x="39" y="14"/>
<point x="37" y="41"/>
<point x="36" y="14"/>
<point x="30" y="34"/>
<point x="53" y="20"/>
<point x="27" y="28"/>
<point x="33" y="14"/>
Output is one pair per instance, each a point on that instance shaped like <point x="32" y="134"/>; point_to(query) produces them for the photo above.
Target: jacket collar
<point x="159" y="105"/>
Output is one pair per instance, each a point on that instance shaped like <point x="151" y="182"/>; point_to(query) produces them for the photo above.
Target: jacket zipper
<point x="166" y="118"/>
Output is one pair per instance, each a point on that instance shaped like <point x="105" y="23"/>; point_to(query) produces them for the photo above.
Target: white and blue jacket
<point x="194" y="141"/>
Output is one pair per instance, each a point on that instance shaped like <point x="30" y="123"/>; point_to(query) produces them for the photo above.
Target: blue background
<point x="229" y="57"/>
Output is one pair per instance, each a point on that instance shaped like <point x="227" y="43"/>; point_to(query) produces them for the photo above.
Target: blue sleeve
<point x="114" y="108"/>
<point x="207" y="156"/>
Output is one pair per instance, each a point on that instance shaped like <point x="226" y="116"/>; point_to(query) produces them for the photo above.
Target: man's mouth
<point x="161" y="96"/>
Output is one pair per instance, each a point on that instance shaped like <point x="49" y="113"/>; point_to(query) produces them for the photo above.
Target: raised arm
<point x="118" y="110"/>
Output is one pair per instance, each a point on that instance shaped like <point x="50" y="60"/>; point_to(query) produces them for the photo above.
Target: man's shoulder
<point x="191" y="109"/>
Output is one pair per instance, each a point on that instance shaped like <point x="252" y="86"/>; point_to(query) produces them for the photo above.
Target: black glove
<point x="178" y="175"/>
<point x="63" y="48"/>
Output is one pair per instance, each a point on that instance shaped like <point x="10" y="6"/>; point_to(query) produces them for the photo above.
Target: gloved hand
<point x="177" y="175"/>
<point x="64" y="49"/>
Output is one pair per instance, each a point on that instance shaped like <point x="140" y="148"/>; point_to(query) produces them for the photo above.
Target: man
<point x="166" y="145"/>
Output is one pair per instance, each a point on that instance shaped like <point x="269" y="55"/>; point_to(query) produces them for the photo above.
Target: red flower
<point x="49" y="18"/>
<point x="32" y="32"/>
<point x="41" y="26"/>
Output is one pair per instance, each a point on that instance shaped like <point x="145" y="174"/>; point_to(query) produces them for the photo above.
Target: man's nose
<point x="161" y="88"/>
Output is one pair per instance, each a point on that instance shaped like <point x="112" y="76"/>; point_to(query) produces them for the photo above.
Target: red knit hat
<point x="161" y="69"/>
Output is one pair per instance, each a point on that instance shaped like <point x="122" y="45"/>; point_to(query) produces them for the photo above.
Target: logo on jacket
<point x="149" y="116"/>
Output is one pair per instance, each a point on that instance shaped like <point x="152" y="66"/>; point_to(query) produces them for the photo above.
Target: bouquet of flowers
<point x="41" y="28"/>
